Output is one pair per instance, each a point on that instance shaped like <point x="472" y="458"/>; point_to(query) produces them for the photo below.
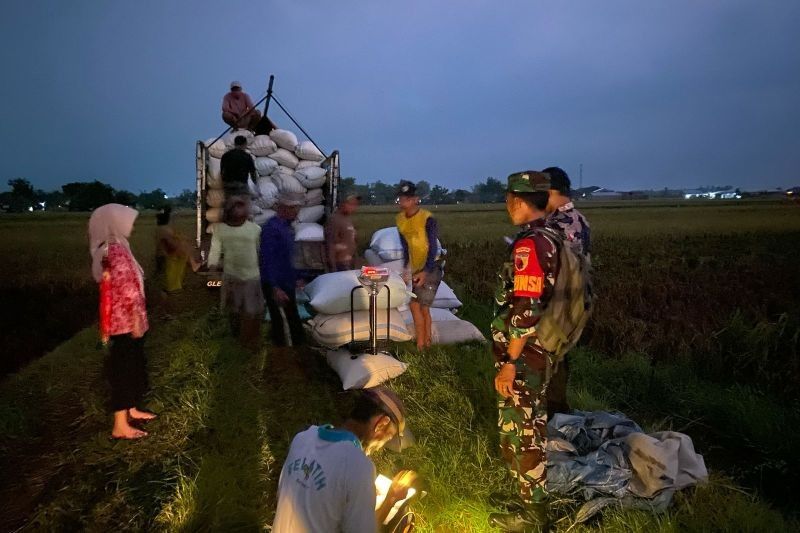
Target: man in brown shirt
<point x="340" y="235"/>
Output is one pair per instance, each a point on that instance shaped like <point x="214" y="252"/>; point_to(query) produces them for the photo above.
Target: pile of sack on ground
<point x="329" y="297"/>
<point x="283" y="164"/>
<point x="386" y="250"/>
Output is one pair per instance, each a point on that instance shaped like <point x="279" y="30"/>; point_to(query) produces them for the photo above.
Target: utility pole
<point x="580" y="176"/>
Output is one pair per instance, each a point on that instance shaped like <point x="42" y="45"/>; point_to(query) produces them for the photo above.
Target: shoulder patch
<point x="528" y="273"/>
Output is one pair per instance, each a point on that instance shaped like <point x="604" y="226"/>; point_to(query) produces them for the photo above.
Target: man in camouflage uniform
<point x="564" y="218"/>
<point x="524" y="368"/>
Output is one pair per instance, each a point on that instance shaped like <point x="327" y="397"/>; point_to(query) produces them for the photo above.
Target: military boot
<point x="532" y="518"/>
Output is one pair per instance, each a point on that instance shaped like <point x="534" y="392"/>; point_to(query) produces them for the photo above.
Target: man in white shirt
<point x="328" y="481"/>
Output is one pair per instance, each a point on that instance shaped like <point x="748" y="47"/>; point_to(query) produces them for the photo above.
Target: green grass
<point x="227" y="417"/>
<point x="696" y="330"/>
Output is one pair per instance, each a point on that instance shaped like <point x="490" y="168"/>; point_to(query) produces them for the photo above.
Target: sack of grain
<point x="307" y="164"/>
<point x="386" y="243"/>
<point x="330" y="293"/>
<point x="284" y="139"/>
<point x="311" y="214"/>
<point x="333" y="331"/>
<point x="287" y="183"/>
<point x="268" y="190"/>
<point x="364" y="371"/>
<point x="306" y="150"/>
<point x="230" y="137"/>
<point x="213" y="174"/>
<point x="455" y="332"/>
<point x="215" y="197"/>
<point x="311" y="177"/>
<point x="262" y="146"/>
<point x="217" y="149"/>
<point x="265" y="166"/>
<point x="308" y="232"/>
<point x="445" y="298"/>
<point x="285" y="158"/>
<point x="214" y="214"/>
<point x="314" y="197"/>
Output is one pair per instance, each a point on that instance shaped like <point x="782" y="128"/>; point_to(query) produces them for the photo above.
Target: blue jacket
<point x="277" y="252"/>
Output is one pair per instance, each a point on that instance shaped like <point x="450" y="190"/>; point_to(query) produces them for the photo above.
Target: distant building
<point x="712" y="195"/>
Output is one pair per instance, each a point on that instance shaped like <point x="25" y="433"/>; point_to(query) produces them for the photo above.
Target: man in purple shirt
<point x="278" y="275"/>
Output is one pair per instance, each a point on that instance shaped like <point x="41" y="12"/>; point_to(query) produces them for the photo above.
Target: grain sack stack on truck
<point x="283" y="163"/>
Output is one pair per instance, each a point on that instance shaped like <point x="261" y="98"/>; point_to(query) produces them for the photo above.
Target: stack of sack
<point x="386" y="250"/>
<point x="283" y="165"/>
<point x="329" y="296"/>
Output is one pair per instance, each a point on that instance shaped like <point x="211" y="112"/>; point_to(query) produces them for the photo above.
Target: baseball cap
<point x="393" y="407"/>
<point x="236" y="84"/>
<point x="558" y="179"/>
<point x="406" y="188"/>
<point x="291" y="199"/>
<point x="528" y="181"/>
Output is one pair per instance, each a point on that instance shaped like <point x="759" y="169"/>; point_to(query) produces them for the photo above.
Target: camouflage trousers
<point x="523" y="424"/>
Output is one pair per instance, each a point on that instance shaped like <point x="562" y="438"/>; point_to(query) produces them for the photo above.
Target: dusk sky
<point x="643" y="94"/>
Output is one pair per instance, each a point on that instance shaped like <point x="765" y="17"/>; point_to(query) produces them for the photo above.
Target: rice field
<point x="696" y="330"/>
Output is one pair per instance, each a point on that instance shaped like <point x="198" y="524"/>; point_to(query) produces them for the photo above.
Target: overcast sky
<point x="643" y="94"/>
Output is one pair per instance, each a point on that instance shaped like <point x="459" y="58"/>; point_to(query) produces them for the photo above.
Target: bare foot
<point x="127" y="433"/>
<point x="136" y="414"/>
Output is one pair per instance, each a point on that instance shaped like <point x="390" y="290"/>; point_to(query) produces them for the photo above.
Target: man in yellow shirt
<point x="422" y="258"/>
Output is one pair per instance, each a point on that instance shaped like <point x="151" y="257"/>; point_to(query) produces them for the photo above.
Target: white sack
<point x="386" y="242"/>
<point x="217" y="149"/>
<point x="366" y="370"/>
<point x="215" y="198"/>
<point x="314" y="197"/>
<point x="306" y="150"/>
<point x="265" y="166"/>
<point x="311" y="214"/>
<point x="373" y="259"/>
<point x="308" y="232"/>
<point x="307" y="164"/>
<point x="255" y="209"/>
<point x="286" y="183"/>
<point x="330" y="293"/>
<point x="262" y="146"/>
<point x="230" y="137"/>
<point x="437" y="315"/>
<point x="284" y="139"/>
<point x="445" y="298"/>
<point x="213" y="173"/>
<point x="214" y="214"/>
<point x="283" y="171"/>
<point x="333" y="331"/>
<point x="265" y="215"/>
<point x="284" y="157"/>
<point x="267" y="189"/>
<point x="311" y="177"/>
<point x="253" y="188"/>
<point x="454" y="332"/>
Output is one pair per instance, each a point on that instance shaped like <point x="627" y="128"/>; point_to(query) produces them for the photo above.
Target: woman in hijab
<point x="123" y="317"/>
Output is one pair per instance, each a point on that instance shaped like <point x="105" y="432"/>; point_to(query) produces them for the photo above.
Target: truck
<point x="310" y="257"/>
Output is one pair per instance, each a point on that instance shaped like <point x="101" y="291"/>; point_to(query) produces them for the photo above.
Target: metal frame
<point x="373" y="315"/>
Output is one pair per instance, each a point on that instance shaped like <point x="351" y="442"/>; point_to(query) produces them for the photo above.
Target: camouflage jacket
<point x="574" y="226"/>
<point x="525" y="285"/>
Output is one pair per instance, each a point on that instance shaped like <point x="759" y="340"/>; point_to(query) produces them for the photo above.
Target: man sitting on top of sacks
<point x="524" y="367"/>
<point x="238" y="110"/>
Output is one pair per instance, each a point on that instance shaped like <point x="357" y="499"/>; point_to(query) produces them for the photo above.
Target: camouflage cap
<point x="528" y="181"/>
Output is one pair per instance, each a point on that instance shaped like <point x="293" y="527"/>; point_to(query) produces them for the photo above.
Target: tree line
<point x="88" y="195"/>
<point x="85" y="196"/>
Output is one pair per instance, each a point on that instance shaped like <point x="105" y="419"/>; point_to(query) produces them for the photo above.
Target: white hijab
<point x="110" y="223"/>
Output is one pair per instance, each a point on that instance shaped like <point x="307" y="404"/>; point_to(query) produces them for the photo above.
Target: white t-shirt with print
<point x="327" y="485"/>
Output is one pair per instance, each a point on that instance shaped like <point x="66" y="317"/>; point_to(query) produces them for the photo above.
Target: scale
<point x="374" y="280"/>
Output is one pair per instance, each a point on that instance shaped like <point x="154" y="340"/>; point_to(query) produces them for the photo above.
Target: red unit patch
<point x="528" y="273"/>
